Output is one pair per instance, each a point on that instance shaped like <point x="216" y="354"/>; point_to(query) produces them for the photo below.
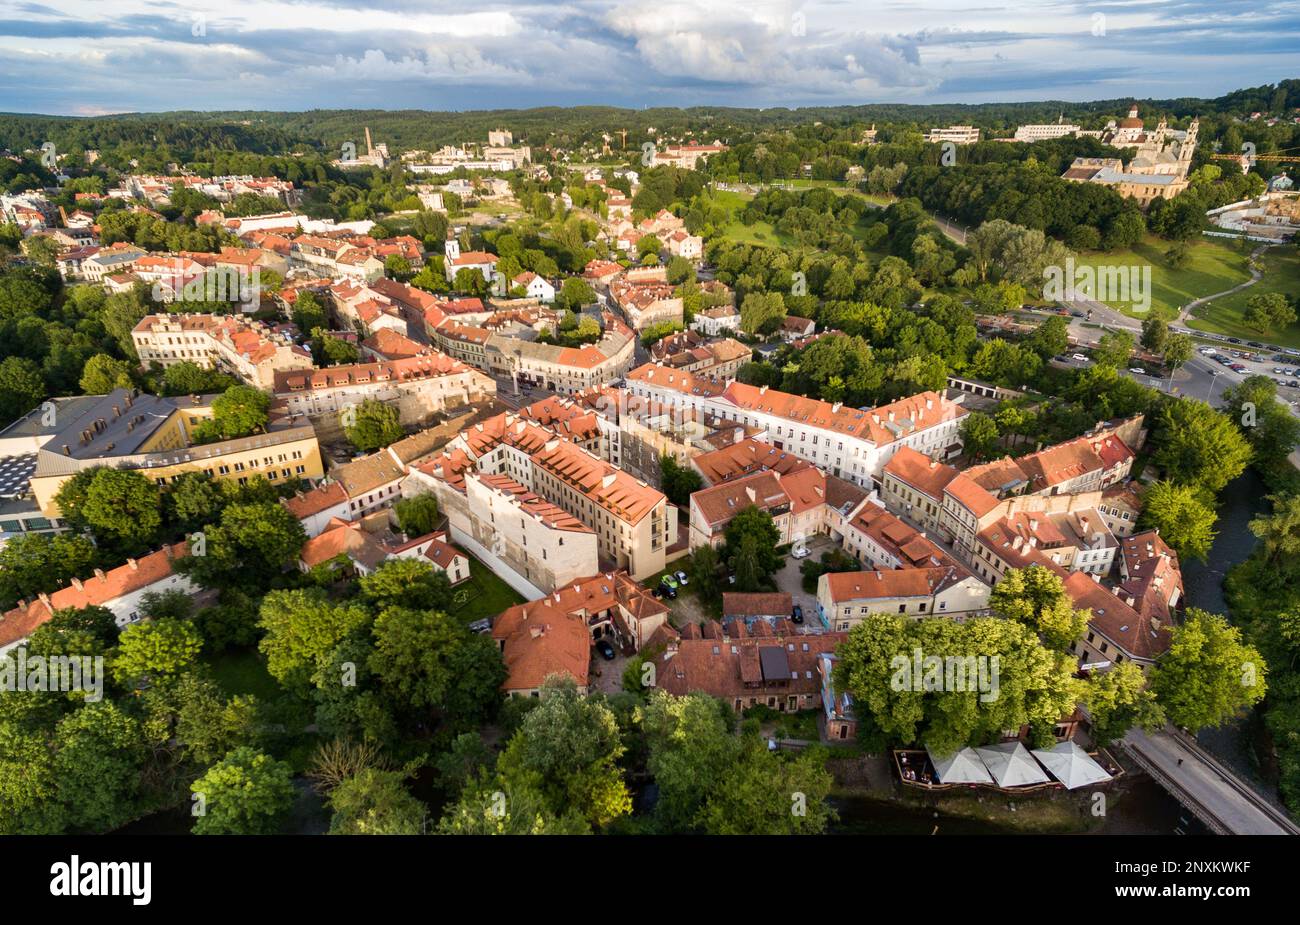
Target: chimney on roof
<point x="762" y="390"/>
<point x="99" y="573"/>
<point x="76" y="582"/>
<point x="133" y="565"/>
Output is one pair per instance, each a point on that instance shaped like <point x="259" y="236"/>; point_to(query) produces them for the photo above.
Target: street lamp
<point x="1210" y="391"/>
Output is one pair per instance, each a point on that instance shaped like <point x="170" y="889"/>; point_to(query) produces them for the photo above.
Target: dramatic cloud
<point x="81" y="57"/>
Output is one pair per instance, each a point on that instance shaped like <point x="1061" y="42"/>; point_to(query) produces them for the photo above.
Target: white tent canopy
<point x="963" y="767"/>
<point x="1071" y="765"/>
<point x="1011" y="765"/>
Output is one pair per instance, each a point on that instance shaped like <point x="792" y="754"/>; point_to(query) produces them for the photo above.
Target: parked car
<point x="800" y="552"/>
<point x="481" y="626"/>
<point x="668" y="581"/>
<point x="605" y="649"/>
<point x="1079" y="357"/>
<point x="681" y="578"/>
<point x="670" y="593"/>
<point x="1137" y="369"/>
<point x="797" y="614"/>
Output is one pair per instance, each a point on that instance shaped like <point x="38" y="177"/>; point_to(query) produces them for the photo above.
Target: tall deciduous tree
<point x="1209" y="674"/>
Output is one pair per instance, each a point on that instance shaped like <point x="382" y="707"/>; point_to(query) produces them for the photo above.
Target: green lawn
<point x="1223" y="316"/>
<point x="1212" y="266"/>
<point x="243" y="671"/>
<point x="483" y="594"/>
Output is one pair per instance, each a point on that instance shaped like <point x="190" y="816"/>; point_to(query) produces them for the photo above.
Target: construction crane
<point x="1245" y="160"/>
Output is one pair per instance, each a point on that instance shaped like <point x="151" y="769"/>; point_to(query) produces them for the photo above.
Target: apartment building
<point x="1071" y="540"/>
<point x="249" y="350"/>
<point x="745" y="457"/>
<point x="767" y="665"/>
<point x="957" y="134"/>
<point x="717" y="321"/>
<point x="1116" y="631"/>
<point x="849" y="443"/>
<point x="801" y="503"/>
<point x="537" y="540"/>
<point x="633" y="522"/>
<point x="564" y="370"/>
<point x="553" y="635"/>
<point x="120" y="590"/>
<point x="913" y="484"/>
<point x="845" y="599"/>
<point x="416" y="386"/>
<point x="155" y="435"/>
<point x="1065" y="477"/>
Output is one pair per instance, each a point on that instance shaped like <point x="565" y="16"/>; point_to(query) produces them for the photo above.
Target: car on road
<point x="797" y="614"/>
<point x="1078" y="314"/>
<point x="1255" y="344"/>
<point x="605" y="649"/>
<point x="1234" y="340"/>
<point x="681" y="577"/>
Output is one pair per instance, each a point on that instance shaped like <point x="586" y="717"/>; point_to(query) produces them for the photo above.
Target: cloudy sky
<point x="86" y="57"/>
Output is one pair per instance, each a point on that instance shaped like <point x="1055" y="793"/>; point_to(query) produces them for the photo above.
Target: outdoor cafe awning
<point x="1071" y="765"/>
<point x="1011" y="765"/>
<point x="962" y="767"/>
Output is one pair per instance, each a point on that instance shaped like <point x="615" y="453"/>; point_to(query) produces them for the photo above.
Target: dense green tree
<point x="375" y="802"/>
<point x="35" y="563"/>
<point x="418" y="515"/>
<point x="1119" y="699"/>
<point x="302" y="628"/>
<point x="431" y="662"/>
<point x="569" y="745"/>
<point x="1208" y="675"/>
<point x="1037" y="598"/>
<point x="1181" y="515"/>
<point x="252" y="543"/>
<point x="103" y="374"/>
<point x="979" y="435"/>
<point x="239" y="411"/>
<point x="1198" y="446"/>
<point x="409" y="583"/>
<point x="372" y="425"/>
<point x="156" y="651"/>
<point x="245" y="793"/>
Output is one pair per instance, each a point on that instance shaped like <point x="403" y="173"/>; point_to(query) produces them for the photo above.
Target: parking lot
<point x="790" y="580"/>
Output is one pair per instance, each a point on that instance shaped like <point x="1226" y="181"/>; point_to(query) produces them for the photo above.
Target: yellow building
<point x="128" y="430"/>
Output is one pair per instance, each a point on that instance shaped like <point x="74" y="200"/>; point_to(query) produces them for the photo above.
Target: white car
<point x="1079" y="357"/>
<point x="1138" y="370"/>
<point x="800" y="552"/>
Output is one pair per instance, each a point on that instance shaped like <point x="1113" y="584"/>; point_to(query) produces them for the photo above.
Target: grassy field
<point x="1211" y="267"/>
<point x="1223" y="316"/>
<point x="483" y="594"/>
<point x="243" y="671"/>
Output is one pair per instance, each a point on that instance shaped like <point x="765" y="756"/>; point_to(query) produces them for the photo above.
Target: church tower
<point x="452" y="247"/>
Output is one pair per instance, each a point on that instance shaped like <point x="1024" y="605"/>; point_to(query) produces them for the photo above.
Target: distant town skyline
<point x="76" y="57"/>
